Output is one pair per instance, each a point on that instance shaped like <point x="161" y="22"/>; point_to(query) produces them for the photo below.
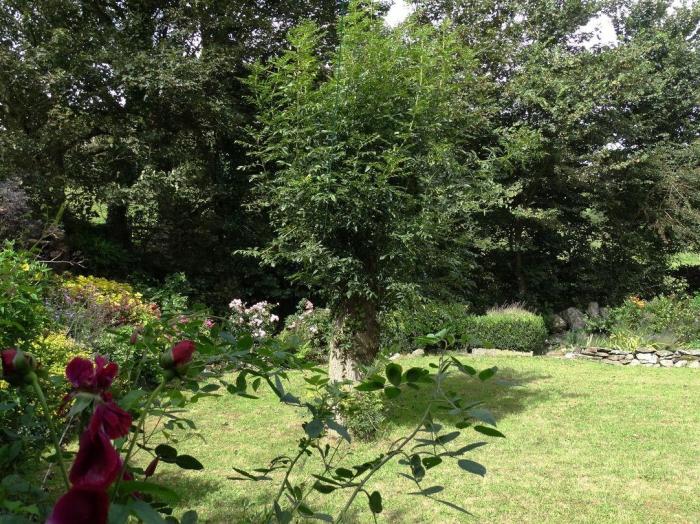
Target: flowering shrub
<point x="90" y="305"/>
<point x="257" y="319"/>
<point x="311" y="328"/>
<point x="23" y="315"/>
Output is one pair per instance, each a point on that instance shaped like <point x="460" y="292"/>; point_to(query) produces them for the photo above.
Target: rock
<point x="605" y="350"/>
<point x="647" y="358"/>
<point x="593" y="310"/>
<point x="666" y="363"/>
<point x="490" y="352"/>
<point x="664" y="353"/>
<point x="690" y="352"/>
<point x="558" y="324"/>
<point x="645" y="350"/>
<point x="604" y="312"/>
<point x="612" y="362"/>
<point x="694" y="364"/>
<point x="570" y="354"/>
<point x="574" y="318"/>
<point x="634" y="363"/>
<point x="629" y="356"/>
<point x="395" y="356"/>
<point x="418" y="353"/>
<point x="681" y="364"/>
<point x="616" y="357"/>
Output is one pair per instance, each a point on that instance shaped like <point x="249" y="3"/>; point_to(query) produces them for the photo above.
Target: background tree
<point x="362" y="169"/>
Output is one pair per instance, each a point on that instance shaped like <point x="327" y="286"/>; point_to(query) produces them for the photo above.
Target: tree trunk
<point x="355" y="340"/>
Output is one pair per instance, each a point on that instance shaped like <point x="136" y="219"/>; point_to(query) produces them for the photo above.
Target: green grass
<point x="687" y="258"/>
<point x="585" y="442"/>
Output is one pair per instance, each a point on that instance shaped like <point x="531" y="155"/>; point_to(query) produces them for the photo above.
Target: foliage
<point x="363" y="414"/>
<point x="514" y="330"/>
<point x="55" y="350"/>
<point x="23" y="282"/>
<point x="310" y="329"/>
<point x="403" y="327"/>
<point x="362" y="171"/>
<point x="661" y="321"/>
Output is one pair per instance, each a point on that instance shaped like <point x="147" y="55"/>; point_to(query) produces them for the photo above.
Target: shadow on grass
<point x="509" y="392"/>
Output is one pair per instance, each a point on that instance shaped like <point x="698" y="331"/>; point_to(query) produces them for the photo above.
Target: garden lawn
<point x="586" y="442"/>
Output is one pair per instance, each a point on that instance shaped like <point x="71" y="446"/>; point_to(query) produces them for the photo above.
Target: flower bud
<point x="151" y="468"/>
<point x="175" y="360"/>
<point x="17" y="366"/>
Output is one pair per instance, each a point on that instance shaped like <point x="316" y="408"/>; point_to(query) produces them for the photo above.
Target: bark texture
<point x="355" y="340"/>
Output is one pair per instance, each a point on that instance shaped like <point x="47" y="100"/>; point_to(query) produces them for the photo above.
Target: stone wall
<point x="649" y="357"/>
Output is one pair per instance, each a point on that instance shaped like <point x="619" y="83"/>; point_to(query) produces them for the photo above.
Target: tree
<point x="357" y="165"/>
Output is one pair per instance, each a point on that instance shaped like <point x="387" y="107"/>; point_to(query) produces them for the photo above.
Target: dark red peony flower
<point x="110" y="418"/>
<point x="85" y="375"/>
<point x="97" y="463"/>
<point x="178" y="357"/>
<point x="81" y="373"/>
<point x="182" y="352"/>
<point x="81" y="505"/>
<point x="16" y="365"/>
<point x="105" y="372"/>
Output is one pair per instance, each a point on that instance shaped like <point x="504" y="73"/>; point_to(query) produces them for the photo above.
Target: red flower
<point x="182" y="352"/>
<point x="97" y="463"/>
<point x="80" y="505"/>
<point x="176" y="359"/>
<point x="110" y="418"/>
<point x="85" y="375"/>
<point x="16" y="365"/>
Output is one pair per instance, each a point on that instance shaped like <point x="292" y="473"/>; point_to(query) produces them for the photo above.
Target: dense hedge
<point x="521" y="331"/>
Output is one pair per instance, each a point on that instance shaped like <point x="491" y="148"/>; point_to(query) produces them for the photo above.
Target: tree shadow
<point x="509" y="392"/>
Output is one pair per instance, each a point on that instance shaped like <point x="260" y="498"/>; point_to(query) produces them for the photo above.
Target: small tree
<point x="361" y="164"/>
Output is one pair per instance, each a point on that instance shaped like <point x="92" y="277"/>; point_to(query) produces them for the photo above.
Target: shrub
<point x="311" y="329"/>
<point x="517" y="331"/>
<point x="363" y="414"/>
<point x="257" y="319"/>
<point x="90" y="305"/>
<point x="55" y="350"/>
<point x="402" y="327"/>
<point x="23" y="282"/>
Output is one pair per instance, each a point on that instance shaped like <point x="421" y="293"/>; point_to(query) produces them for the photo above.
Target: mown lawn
<point x="585" y="442"/>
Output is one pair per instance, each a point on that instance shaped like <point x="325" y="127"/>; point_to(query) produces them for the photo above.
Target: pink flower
<point x="81" y="505"/>
<point x="97" y="463"/>
<point x="111" y="419"/>
<point x="209" y="323"/>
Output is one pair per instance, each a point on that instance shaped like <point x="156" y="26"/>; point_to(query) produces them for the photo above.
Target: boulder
<point x="558" y="324"/>
<point x="418" y="353"/>
<point x="395" y="356"/>
<point x="593" y="310"/>
<point x="664" y="353"/>
<point x="680" y="364"/>
<point x="647" y="358"/>
<point x="574" y="318"/>
<point x="694" y="364"/>
<point x="666" y="363"/>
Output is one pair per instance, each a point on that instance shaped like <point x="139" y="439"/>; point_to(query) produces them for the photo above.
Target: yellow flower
<point x="25" y="267"/>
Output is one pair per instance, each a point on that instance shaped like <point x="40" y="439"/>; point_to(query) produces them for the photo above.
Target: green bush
<point x="514" y="330"/>
<point x="363" y="414"/>
<point x="401" y="327"/>
<point x="311" y="329"/>
<point x="23" y="282"/>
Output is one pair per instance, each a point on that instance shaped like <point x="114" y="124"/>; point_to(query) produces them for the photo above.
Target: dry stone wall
<point x="649" y="357"/>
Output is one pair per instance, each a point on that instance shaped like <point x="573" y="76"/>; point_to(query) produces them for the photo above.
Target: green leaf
<point x="244" y="343"/>
<point x="375" y="502"/>
<point x="393" y="373"/>
<point x="428" y="491"/>
<point x="167" y="453"/>
<point x="188" y="462"/>
<point x="145" y="512"/>
<point x="314" y="428"/>
<point x="414" y="374"/>
<point x="161" y="493"/>
<point x="392" y="392"/>
<point x="323" y="488"/>
<point x="472" y="467"/>
<point x="487" y="373"/>
<point x="370" y="386"/>
<point x="431" y="462"/>
<point x="447" y="437"/>
<point x="484" y="415"/>
<point x="189" y="517"/>
<point x="118" y="513"/>
<point x="491" y="432"/>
